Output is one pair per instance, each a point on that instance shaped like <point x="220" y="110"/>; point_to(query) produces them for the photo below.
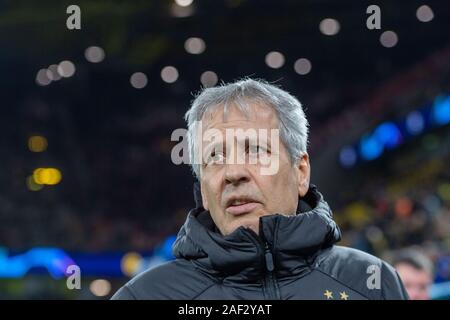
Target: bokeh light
<point x="94" y="54"/>
<point x="415" y="122"/>
<point x="131" y="263"/>
<point x="138" y="80"/>
<point x="424" y="13"/>
<point x="66" y="68"/>
<point x="275" y="59"/>
<point x="100" y="287"/>
<point x="32" y="185"/>
<point x="169" y="74"/>
<point x="42" y="78"/>
<point x="47" y="176"/>
<point x="52" y="73"/>
<point x="329" y="26"/>
<point x="347" y="156"/>
<point x="209" y="79"/>
<point x="184" y="3"/>
<point x="37" y="143"/>
<point x="302" y="66"/>
<point x="389" y="39"/>
<point x="195" y="45"/>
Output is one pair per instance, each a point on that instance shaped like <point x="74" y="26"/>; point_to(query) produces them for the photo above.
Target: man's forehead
<point x="252" y="114"/>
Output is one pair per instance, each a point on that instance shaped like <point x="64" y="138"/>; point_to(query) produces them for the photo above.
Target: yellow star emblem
<point x="344" y="296"/>
<point x="328" y="294"/>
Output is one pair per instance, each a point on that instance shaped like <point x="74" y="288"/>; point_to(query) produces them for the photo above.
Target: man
<point x="416" y="272"/>
<point x="260" y="230"/>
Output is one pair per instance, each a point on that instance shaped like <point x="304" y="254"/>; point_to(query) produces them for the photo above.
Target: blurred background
<point x="86" y="118"/>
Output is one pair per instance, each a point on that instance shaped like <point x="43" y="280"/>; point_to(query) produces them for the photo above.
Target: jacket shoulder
<point x="370" y="276"/>
<point x="177" y="279"/>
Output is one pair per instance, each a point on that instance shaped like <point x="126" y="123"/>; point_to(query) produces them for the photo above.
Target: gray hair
<point x="415" y="259"/>
<point x="293" y="124"/>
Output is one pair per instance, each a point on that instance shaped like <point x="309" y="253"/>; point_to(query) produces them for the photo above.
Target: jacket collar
<point x="293" y="240"/>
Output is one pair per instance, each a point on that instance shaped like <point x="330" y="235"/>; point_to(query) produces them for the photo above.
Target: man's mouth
<point x="241" y="206"/>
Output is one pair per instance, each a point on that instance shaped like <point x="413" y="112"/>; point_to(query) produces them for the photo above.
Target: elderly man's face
<point x="238" y="194"/>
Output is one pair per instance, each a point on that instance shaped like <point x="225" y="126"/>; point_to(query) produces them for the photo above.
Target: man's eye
<point x="215" y="158"/>
<point x="257" y="149"/>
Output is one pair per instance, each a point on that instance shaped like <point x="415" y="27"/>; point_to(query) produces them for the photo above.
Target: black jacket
<point x="293" y="258"/>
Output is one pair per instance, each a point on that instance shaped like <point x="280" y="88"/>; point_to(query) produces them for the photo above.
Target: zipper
<point x="270" y="282"/>
<point x="271" y="290"/>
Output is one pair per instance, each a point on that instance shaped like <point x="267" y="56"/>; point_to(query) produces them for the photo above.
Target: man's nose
<point x="236" y="174"/>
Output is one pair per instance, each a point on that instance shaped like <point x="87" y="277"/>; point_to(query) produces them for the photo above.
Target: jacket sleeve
<point x="392" y="287"/>
<point x="123" y="293"/>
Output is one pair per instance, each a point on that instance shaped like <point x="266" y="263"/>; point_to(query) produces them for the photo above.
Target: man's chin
<point x="251" y="223"/>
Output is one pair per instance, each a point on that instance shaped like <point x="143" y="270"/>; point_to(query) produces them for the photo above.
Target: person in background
<point x="416" y="272"/>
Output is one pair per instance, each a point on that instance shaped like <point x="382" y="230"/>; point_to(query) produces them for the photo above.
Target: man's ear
<point x="304" y="172"/>
<point x="204" y="200"/>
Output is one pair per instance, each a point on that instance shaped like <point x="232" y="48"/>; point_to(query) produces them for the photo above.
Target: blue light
<point x="54" y="260"/>
<point x="165" y="250"/>
<point x="347" y="156"/>
<point x="370" y="148"/>
<point x="441" y="110"/>
<point x="440" y="290"/>
<point x="388" y="134"/>
<point x="415" y="122"/>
